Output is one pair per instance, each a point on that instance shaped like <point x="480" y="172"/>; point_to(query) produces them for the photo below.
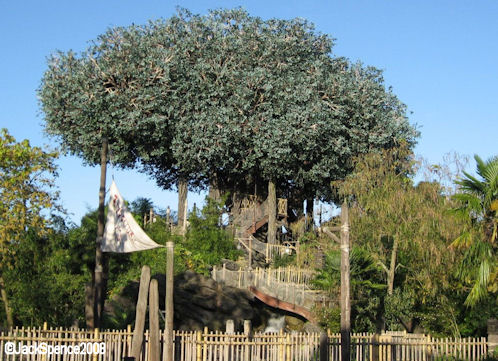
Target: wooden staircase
<point x="250" y="223"/>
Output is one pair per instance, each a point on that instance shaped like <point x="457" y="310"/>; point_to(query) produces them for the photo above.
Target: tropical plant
<point x="478" y="205"/>
<point x="367" y="287"/>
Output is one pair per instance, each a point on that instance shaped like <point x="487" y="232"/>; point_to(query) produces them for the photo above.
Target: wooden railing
<point x="270" y="251"/>
<point x="210" y="346"/>
<point x="291" y="284"/>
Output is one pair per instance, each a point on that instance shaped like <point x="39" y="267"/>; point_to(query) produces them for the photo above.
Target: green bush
<point x="207" y="242"/>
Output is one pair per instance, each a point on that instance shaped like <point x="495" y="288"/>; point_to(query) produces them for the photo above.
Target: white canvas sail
<point x="122" y="234"/>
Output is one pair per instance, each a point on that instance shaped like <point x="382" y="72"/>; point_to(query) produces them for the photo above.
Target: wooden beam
<point x="138" y="332"/>
<point x="329" y="233"/>
<point x="154" y="354"/>
<point x="170" y="246"/>
<point x="345" y="286"/>
<point x="286" y="306"/>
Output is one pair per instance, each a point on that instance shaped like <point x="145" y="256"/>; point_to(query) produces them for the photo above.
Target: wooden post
<point x="199" y="346"/>
<point x="250" y="251"/>
<point x="281" y="348"/>
<point x="345" y="279"/>
<point x="154" y="321"/>
<point x="170" y="248"/>
<point x="182" y="202"/>
<point x="168" y="219"/>
<point x="138" y="332"/>
<point x="45" y="328"/>
<point x="272" y="213"/>
<point x="248" y="334"/>
<point x="247" y="328"/>
<point x="128" y="340"/>
<point x="230" y="327"/>
<point x="324" y="347"/>
<point x="99" y="256"/>
<point x="492" y="335"/>
<point x="96" y="339"/>
<point x="375" y="349"/>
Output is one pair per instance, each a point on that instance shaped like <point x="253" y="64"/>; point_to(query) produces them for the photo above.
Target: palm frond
<point x="481" y="165"/>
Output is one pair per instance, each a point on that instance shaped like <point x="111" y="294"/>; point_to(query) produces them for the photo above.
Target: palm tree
<point x="478" y="200"/>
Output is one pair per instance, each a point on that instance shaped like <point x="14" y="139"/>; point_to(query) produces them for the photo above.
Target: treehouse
<point x="250" y="219"/>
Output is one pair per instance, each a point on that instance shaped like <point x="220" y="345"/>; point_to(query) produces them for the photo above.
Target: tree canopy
<point x="227" y="95"/>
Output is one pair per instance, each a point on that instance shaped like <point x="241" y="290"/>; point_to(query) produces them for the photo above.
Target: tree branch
<point x="328" y="232"/>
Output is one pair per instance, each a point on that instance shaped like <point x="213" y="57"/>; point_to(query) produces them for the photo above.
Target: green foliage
<point x="366" y="286"/>
<point x="472" y="321"/>
<point x="283" y="261"/>
<point x="141" y="207"/>
<point x="478" y="205"/>
<point x="309" y="249"/>
<point x="206" y="239"/>
<point x="407" y="230"/>
<point x="329" y="318"/>
<point x="26" y="181"/>
<point x="46" y="283"/>
<point x="47" y="277"/>
<point x="26" y="199"/>
<point x="399" y="306"/>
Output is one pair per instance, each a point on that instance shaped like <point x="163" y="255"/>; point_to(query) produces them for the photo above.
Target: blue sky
<point x="440" y="57"/>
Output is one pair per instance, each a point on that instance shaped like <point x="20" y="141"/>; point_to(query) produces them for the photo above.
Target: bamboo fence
<point x="217" y="346"/>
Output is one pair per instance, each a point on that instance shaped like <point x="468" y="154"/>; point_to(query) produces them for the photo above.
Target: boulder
<point x="199" y="302"/>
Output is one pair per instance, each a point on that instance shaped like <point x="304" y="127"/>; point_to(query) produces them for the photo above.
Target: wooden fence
<point x="294" y="275"/>
<point x="216" y="346"/>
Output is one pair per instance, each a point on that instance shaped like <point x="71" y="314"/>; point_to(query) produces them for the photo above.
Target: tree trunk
<point x="99" y="256"/>
<point x="272" y="213"/>
<point x="392" y="268"/>
<point x="345" y="286"/>
<point x="89" y="305"/>
<point x="5" y="300"/>
<point x="182" y="203"/>
<point x="214" y="191"/>
<point x="309" y="214"/>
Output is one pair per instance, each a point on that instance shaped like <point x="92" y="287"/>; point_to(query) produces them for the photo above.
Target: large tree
<point x="265" y="102"/>
<point x="227" y="99"/>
